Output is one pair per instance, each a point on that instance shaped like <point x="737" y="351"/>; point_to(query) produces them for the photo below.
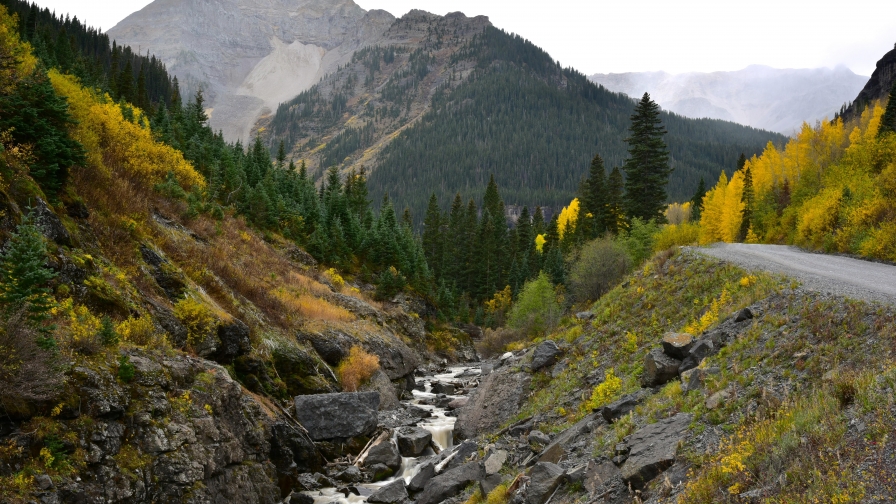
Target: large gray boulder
<point x="544" y="478"/>
<point x="698" y="352"/>
<point x="379" y="382"/>
<point x="451" y="483"/>
<point x="677" y="345"/>
<point x="419" y="481"/>
<point x="340" y="415"/>
<point x="497" y="399"/>
<point x="659" y="368"/>
<point x="621" y="407"/>
<point x="412" y="441"/>
<point x="545" y="354"/>
<point x="652" y="449"/>
<point x="385" y="452"/>
<point x="390" y="494"/>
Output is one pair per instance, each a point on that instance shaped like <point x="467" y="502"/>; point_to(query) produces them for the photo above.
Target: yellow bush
<point x="671" y="235"/>
<point x="139" y="331"/>
<point x="566" y="221"/>
<point x="196" y="317"/>
<point x="116" y="145"/>
<point x="335" y="278"/>
<point x="711" y="316"/>
<point x="605" y="392"/>
<point x="357" y="368"/>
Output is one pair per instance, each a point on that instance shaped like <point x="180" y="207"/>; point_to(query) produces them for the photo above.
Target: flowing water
<point x="439" y="424"/>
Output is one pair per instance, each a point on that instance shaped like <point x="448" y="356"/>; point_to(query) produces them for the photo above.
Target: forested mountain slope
<point x="452" y="100"/>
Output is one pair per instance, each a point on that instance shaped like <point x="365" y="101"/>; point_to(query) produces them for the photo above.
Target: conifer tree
<point x="24" y="277"/>
<point x="697" y="201"/>
<point x="615" y="216"/>
<point x="888" y="120"/>
<point x="594" y="199"/>
<point x="647" y="168"/>
<point x="433" y="236"/>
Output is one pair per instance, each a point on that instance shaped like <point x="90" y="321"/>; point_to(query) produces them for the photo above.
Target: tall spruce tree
<point x="647" y="168"/>
<point x="594" y="199"/>
<point x="747" y="199"/>
<point x="615" y="217"/>
<point x="888" y="120"/>
<point x="697" y="201"/>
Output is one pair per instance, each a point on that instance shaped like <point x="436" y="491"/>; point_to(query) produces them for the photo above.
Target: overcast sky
<point x="601" y="36"/>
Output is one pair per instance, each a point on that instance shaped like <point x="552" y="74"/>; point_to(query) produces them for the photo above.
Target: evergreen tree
<point x="433" y="236"/>
<point x="697" y="201"/>
<point x="888" y="120"/>
<point x="24" y="276"/>
<point x="594" y="199"/>
<point x="615" y="202"/>
<point x="647" y="168"/>
<point x="741" y="161"/>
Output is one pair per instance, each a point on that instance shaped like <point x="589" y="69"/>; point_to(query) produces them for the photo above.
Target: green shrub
<point x="601" y="264"/>
<point x="126" y="370"/>
<point x="536" y="311"/>
<point x="639" y="239"/>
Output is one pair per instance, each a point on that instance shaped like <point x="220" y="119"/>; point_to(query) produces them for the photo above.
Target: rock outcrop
<point x="339" y="415"/>
<point x="652" y="449"/>
<point x="496" y="400"/>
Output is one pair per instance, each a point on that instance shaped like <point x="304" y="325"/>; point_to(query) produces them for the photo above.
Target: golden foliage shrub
<point x="566" y="221"/>
<point x="357" y="368"/>
<point x="672" y="235"/>
<point x="116" y="145"/>
<point x="141" y="331"/>
<point x="311" y="307"/>
<point x="196" y="317"/>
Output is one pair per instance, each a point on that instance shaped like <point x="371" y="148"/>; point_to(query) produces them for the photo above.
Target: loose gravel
<point x="829" y="274"/>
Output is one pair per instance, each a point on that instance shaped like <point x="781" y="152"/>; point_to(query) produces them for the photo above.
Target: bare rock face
<point x="652" y="449"/>
<point x="250" y="55"/>
<point x="495" y="401"/>
<point x="341" y="415"/>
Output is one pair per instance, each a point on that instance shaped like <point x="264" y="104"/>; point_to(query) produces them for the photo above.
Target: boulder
<point x="49" y="223"/>
<point x="621" y="407"/>
<point x="495" y="401"/>
<point x="539" y="438"/>
<point x="331" y="348"/>
<point x="659" y="368"/>
<point x="742" y="315"/>
<point x="495" y="462"/>
<point x="379" y="382"/>
<point x="451" y="483"/>
<point x="168" y="277"/>
<point x="458" y="455"/>
<point x="599" y="473"/>
<point x="390" y="494"/>
<point x="234" y="341"/>
<point x="717" y="399"/>
<point x="585" y="315"/>
<point x="424" y="474"/>
<point x="385" y="452"/>
<point x="677" y="345"/>
<point x="460" y="402"/>
<point x="489" y="483"/>
<point x="379" y="472"/>
<point x="544" y="478"/>
<point x="350" y="474"/>
<point x="545" y="354"/>
<point x="412" y="441"/>
<point x="698" y="352"/>
<point x="340" y="415"/>
<point x="652" y="449"/>
<point x="442" y="388"/>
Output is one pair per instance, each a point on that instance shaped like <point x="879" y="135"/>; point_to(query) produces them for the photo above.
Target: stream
<point x="439" y="424"/>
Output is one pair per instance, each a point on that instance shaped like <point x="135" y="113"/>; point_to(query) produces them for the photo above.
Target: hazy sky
<point x="645" y="35"/>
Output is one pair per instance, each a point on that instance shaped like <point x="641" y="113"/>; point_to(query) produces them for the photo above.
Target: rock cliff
<point x="250" y="55"/>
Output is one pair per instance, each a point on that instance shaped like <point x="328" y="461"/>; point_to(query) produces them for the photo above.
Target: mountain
<point x="759" y="96"/>
<point x="877" y="87"/>
<point x="451" y="100"/>
<point x="250" y="55"/>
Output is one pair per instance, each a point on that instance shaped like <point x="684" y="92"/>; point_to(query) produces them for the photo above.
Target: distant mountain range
<point x="758" y="96"/>
<point x="425" y="103"/>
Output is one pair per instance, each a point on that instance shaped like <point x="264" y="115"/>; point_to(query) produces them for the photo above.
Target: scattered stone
<point x="44" y="482"/>
<point x="385" y="452"/>
<point x="460" y="402"/>
<point x="598" y="473"/>
<point x="622" y="449"/>
<point x="459" y="455"/>
<point x="544" y="478"/>
<point x="742" y="315"/>
<point x="412" y="441"/>
<point x="496" y="400"/>
<point x="700" y="350"/>
<point x="520" y="429"/>
<point x="495" y="462"/>
<point x="379" y="472"/>
<point x="442" y="388"/>
<point x="419" y="481"/>
<point x="652" y="449"/>
<point x="620" y="459"/>
<point x="621" y="407"/>
<point x="545" y="355"/>
<point x="577" y="474"/>
<point x="350" y="474"/>
<point x="585" y="315"/>
<point x="677" y="345"/>
<point x="489" y="483"/>
<point x="506" y="355"/>
<point x="339" y="415"/>
<point x="717" y="399"/>
<point x="553" y="453"/>
<point x="390" y="494"/>
<point x="451" y="483"/>
<point x="539" y="438"/>
<point x="692" y="379"/>
<point x="659" y="368"/>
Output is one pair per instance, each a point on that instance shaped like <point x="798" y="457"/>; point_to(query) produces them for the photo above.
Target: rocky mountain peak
<point x="250" y="55"/>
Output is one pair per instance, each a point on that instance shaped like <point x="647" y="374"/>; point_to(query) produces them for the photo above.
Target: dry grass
<point x="357" y="368"/>
<point x="310" y="307"/>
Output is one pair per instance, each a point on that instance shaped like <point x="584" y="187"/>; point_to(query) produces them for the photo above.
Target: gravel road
<point x="838" y="275"/>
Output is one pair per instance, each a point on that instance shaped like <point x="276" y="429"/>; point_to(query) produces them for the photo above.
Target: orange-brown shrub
<point x="357" y="368"/>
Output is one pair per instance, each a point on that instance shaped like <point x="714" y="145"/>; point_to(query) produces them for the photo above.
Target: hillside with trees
<point x="445" y="111"/>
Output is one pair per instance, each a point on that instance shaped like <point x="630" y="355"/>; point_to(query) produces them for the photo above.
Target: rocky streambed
<point x="409" y="446"/>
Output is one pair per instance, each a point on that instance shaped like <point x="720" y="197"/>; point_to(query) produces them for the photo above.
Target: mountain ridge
<point x="760" y="96"/>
